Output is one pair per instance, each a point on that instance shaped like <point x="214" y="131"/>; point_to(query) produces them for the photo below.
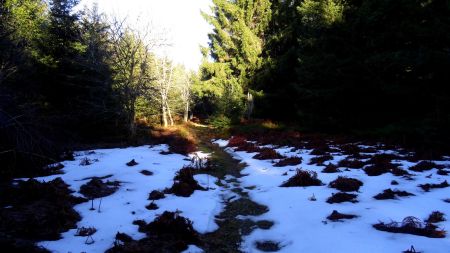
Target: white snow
<point x="301" y="224"/>
<point x="119" y="210"/>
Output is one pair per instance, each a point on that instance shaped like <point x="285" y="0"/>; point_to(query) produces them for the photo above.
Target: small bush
<point x="436" y="217"/>
<point x="319" y="160"/>
<point x="375" y="170"/>
<point x="390" y="194"/>
<point x="219" y="121"/>
<point x="96" y="188"/>
<point x="411" y="225"/>
<point x="342" y="197"/>
<point x="428" y="187"/>
<point x="184" y="183"/>
<point x="303" y="178"/>
<point x="267" y="154"/>
<point x="132" y="163"/>
<point x="424" y="166"/>
<point x="237" y="141"/>
<point x="152" y="206"/>
<point x="399" y="172"/>
<point x="169" y="232"/>
<point x="331" y="168"/>
<point x="155" y="195"/>
<point x="289" y="161"/>
<point x="146" y="172"/>
<point x="337" y="216"/>
<point x="346" y="184"/>
<point x="351" y="163"/>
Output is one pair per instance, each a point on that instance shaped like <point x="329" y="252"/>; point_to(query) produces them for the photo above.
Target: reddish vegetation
<point x="155" y="195"/>
<point x="132" y="163"/>
<point x="237" y="141"/>
<point x="39" y="211"/>
<point x="303" y="178"/>
<point x="319" y="160"/>
<point x="411" y="225"/>
<point x="146" y="172"/>
<point x="178" y="139"/>
<point x="425" y="165"/>
<point x="169" y="232"/>
<point x="184" y="183"/>
<point x="337" y="216"/>
<point x="342" y="197"/>
<point x="267" y="154"/>
<point x="346" y="184"/>
<point x="331" y="168"/>
<point x="428" y="187"/>
<point x="436" y="217"/>
<point x="289" y="161"/>
<point x="390" y="194"/>
<point x="351" y="163"/>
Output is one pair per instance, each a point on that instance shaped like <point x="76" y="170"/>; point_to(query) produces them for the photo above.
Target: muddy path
<point x="229" y="236"/>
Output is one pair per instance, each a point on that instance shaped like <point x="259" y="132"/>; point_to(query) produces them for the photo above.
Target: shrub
<point x="331" y="168"/>
<point x="319" y="160"/>
<point x="184" y="183"/>
<point x="289" y="161"/>
<point x="424" y="166"/>
<point x="351" y="163"/>
<point x="267" y="154"/>
<point x="390" y="194"/>
<point x="375" y="170"/>
<point x="169" y="232"/>
<point x="219" y="121"/>
<point x="428" y="187"/>
<point x="155" y="195"/>
<point x="96" y="188"/>
<point x="346" y="184"/>
<point x="342" y="197"/>
<point x="303" y="178"/>
<point x="411" y="225"/>
<point x="132" y="163"/>
<point x="337" y="216"/>
<point x="436" y="217"/>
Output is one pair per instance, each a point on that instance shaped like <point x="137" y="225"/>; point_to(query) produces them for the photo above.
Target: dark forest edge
<point x="371" y="70"/>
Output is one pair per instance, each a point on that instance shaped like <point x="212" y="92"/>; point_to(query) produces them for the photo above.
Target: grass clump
<point x="331" y="168"/>
<point x="411" y="225"/>
<point x="268" y="154"/>
<point x="184" y="183"/>
<point x="428" y="187"/>
<point x="169" y="232"/>
<point x="337" y="216"/>
<point x="390" y="194"/>
<point x="351" y="163"/>
<point x="436" y="217"/>
<point x="289" y="161"/>
<point x="346" y="184"/>
<point x="424" y="166"/>
<point x="319" y="160"/>
<point x="303" y="178"/>
<point x="342" y="197"/>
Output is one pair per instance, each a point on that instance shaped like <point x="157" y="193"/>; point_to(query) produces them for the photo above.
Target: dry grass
<point x="436" y="217"/>
<point x="428" y="187"/>
<point x="351" y="163"/>
<point x="303" y="178"/>
<point x="268" y="154"/>
<point x="346" y="184"/>
<point x="342" y="197"/>
<point x="289" y="161"/>
<point x="319" y="160"/>
<point x="331" y="168"/>
<point x="390" y="194"/>
<point x="424" y="166"/>
<point x="411" y="225"/>
<point x="337" y="216"/>
<point x="179" y="139"/>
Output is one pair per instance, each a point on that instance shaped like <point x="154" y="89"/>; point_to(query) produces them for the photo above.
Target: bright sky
<point x="186" y="28"/>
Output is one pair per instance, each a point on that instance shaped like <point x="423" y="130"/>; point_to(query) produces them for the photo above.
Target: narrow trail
<point x="228" y="237"/>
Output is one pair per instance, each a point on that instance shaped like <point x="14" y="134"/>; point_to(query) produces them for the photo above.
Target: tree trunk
<point x="186" y="113"/>
<point x="132" y="125"/>
<point x="163" y="115"/>
<point x="169" y="113"/>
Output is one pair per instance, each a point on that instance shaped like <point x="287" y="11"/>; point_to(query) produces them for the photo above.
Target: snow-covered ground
<point x="119" y="210"/>
<point x="301" y="224"/>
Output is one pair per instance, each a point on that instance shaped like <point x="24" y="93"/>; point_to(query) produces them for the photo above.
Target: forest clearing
<point x="224" y="126"/>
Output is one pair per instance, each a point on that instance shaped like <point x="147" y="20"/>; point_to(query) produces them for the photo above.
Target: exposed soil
<point x="228" y="237"/>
